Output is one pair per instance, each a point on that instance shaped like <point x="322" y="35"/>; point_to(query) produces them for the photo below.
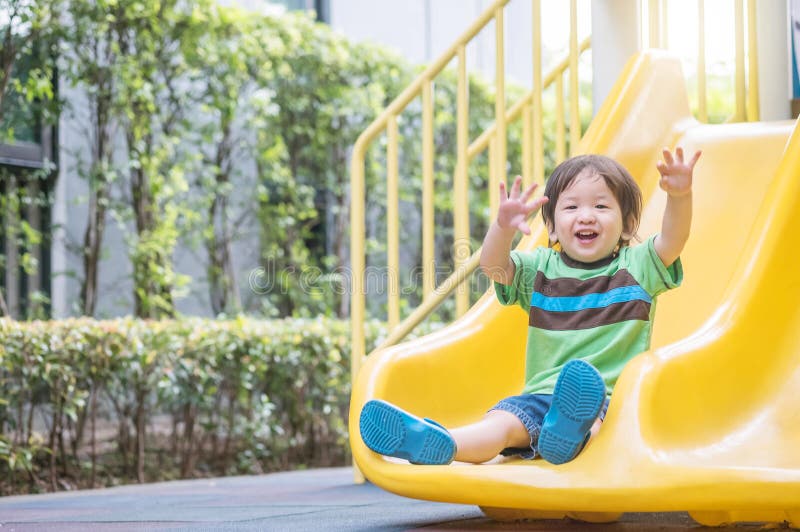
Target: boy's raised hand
<point x="514" y="208"/>
<point x="676" y="175"/>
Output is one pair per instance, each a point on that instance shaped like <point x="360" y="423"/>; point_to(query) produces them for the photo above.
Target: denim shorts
<point x="531" y="408"/>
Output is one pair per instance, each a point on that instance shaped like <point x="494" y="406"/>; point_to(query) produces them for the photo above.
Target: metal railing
<point x="528" y="109"/>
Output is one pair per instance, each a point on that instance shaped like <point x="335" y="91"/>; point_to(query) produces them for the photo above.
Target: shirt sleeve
<point x="646" y="266"/>
<point x="520" y="291"/>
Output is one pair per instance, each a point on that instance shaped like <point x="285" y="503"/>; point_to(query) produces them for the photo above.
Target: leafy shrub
<point x="90" y="403"/>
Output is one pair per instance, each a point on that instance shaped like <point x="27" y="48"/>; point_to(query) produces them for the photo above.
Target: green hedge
<point x="94" y="403"/>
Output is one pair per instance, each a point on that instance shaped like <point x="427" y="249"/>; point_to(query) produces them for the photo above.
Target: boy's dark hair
<point x="618" y="179"/>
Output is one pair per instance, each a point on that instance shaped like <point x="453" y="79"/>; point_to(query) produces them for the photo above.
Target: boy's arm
<point x="496" y="260"/>
<point x="512" y="216"/>
<point x="676" y="180"/>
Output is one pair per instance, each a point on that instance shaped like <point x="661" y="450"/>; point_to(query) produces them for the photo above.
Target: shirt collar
<point x="572" y="263"/>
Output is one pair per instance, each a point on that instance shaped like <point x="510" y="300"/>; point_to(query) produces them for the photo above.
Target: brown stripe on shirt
<point x="590" y="317"/>
<point x="571" y="287"/>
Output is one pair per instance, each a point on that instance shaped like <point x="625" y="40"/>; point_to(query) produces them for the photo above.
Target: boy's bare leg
<point x="480" y="442"/>
<point x="483" y="440"/>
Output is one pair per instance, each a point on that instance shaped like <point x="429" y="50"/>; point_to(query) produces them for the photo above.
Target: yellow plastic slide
<point x="708" y="421"/>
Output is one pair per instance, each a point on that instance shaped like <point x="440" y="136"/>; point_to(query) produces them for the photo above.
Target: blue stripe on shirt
<point x="572" y="304"/>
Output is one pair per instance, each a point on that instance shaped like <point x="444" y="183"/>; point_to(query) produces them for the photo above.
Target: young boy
<point x="591" y="307"/>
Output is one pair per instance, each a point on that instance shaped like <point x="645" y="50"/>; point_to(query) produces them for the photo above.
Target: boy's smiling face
<point x="587" y="218"/>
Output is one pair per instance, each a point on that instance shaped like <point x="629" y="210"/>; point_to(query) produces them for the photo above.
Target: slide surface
<point x="708" y="421"/>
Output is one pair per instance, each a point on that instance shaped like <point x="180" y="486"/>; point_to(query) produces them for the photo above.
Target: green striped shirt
<point x="600" y="312"/>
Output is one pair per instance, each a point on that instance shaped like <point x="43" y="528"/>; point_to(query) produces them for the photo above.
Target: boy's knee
<point x="506" y="423"/>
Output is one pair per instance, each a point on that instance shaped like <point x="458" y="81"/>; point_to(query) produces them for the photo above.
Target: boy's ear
<point x="627" y="231"/>
<point x="551" y="234"/>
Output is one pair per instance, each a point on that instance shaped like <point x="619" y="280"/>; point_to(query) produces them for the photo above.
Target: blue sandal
<point x="577" y="399"/>
<point x="391" y="431"/>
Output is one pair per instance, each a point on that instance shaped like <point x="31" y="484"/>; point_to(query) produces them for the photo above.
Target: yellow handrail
<point x="745" y="58"/>
<point x="468" y="266"/>
<point x="494" y="139"/>
<point x="357" y="188"/>
<point x="514" y="112"/>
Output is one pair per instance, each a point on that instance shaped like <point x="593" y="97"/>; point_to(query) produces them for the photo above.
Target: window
<point x="320" y="7"/>
<point x="23" y="140"/>
<point x="25" y="200"/>
<point x="26" y="188"/>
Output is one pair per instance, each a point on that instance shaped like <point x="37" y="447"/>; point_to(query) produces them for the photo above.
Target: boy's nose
<point x="586" y="215"/>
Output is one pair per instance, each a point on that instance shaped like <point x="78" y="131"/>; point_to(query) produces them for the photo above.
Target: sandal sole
<point x="577" y="399"/>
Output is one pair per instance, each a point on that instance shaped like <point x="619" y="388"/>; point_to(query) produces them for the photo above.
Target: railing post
<point x="538" y="133"/>
<point x="574" y="90"/>
<point x="752" y="62"/>
<point x="494" y="179"/>
<point x="702" y="95"/>
<point x="357" y="292"/>
<point x="392" y="225"/>
<point x="739" y="77"/>
<point x="527" y="148"/>
<point x="561" y="150"/>
<point x="428" y="253"/>
<point x="654" y="24"/>
<point x="461" y="248"/>
<point x="500" y="96"/>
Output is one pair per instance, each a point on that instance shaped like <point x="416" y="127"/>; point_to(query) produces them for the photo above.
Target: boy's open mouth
<point x="586" y="236"/>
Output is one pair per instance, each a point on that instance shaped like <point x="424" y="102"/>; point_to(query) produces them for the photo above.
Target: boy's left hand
<point x="676" y="175"/>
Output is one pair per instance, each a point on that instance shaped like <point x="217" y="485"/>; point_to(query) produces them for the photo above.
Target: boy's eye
<point x="570" y="207"/>
<point x="601" y="206"/>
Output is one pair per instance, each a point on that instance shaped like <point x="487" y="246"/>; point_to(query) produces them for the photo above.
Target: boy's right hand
<point x="514" y="207"/>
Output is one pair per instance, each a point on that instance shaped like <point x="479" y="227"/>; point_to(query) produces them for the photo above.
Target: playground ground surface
<point x="318" y="500"/>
